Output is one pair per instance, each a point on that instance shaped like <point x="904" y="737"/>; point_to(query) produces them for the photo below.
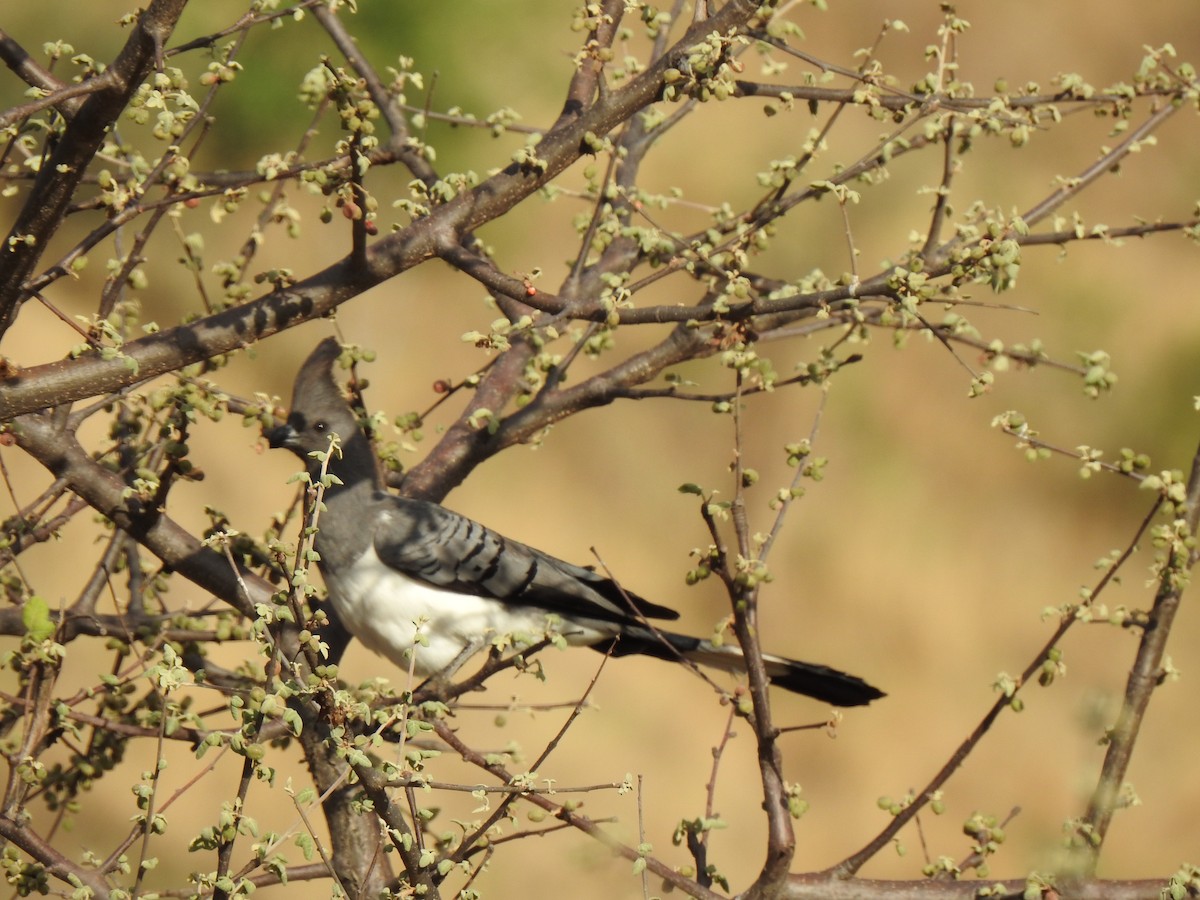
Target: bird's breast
<point x="397" y="616"/>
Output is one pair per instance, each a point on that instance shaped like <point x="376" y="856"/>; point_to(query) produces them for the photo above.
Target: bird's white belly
<point x="386" y="610"/>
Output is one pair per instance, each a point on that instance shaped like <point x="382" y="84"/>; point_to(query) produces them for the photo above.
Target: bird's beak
<point x="282" y="436"/>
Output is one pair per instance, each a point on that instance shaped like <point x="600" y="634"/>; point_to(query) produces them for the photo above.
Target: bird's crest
<point x="315" y="382"/>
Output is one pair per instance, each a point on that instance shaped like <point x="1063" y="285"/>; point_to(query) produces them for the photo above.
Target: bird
<point x="394" y="565"/>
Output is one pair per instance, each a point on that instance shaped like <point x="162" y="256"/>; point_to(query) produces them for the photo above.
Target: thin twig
<point x="853" y="863"/>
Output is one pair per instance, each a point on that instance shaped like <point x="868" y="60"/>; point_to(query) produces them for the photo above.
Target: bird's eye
<point x="319" y="427"/>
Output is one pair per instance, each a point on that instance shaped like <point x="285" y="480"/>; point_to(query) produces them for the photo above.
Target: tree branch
<point x="1145" y="675"/>
<point x="61" y="173"/>
<point x="56" y="864"/>
<point x="60" y="452"/>
<point x="824" y="887"/>
<point x="173" y="348"/>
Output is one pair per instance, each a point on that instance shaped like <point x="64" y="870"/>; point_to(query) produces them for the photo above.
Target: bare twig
<point x="853" y="863"/>
<point x="574" y="819"/>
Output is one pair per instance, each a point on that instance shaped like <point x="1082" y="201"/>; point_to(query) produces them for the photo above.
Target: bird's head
<point x="319" y="410"/>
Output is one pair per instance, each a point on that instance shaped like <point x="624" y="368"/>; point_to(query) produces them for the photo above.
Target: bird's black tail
<point x="809" y="679"/>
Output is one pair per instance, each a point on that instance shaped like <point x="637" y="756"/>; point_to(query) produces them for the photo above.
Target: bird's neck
<point x="355" y="465"/>
<point x="342" y="533"/>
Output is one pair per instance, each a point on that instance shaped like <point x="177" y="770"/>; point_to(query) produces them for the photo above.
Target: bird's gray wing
<point x="435" y="545"/>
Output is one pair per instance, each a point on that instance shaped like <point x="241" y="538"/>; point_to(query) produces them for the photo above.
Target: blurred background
<point x="923" y="561"/>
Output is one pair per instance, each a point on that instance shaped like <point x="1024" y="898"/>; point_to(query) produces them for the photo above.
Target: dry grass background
<point x="924" y="559"/>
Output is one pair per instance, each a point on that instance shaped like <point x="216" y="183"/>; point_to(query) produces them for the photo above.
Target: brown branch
<point x="1100" y="167"/>
<point x="743" y="600"/>
<point x="823" y="887"/>
<point x="941" y="206"/>
<point x="90" y="375"/>
<point x="574" y="819"/>
<point x="128" y="626"/>
<point x="65" y="96"/>
<point x="464" y="446"/>
<point x="61" y="172"/>
<point x="173" y="348"/>
<point x="900" y="101"/>
<point x="853" y="863"/>
<point x="1145" y="675"/>
<point x="61" y="453"/>
<point x="30" y="532"/>
<point x="698" y="844"/>
<point x="243" y="24"/>
<point x="588" y="79"/>
<point x="306" y="872"/>
<point x="21" y="835"/>
<point x="1104" y="234"/>
<point x="55" y="382"/>
<point x="183" y="733"/>
<point x="17" y="58"/>
<point x="471" y="841"/>
<point x="388" y="107"/>
<point x="353" y="835"/>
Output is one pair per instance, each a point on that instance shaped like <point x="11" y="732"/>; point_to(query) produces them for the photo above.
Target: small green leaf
<point x="306" y="844"/>
<point x="35" y="616"/>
